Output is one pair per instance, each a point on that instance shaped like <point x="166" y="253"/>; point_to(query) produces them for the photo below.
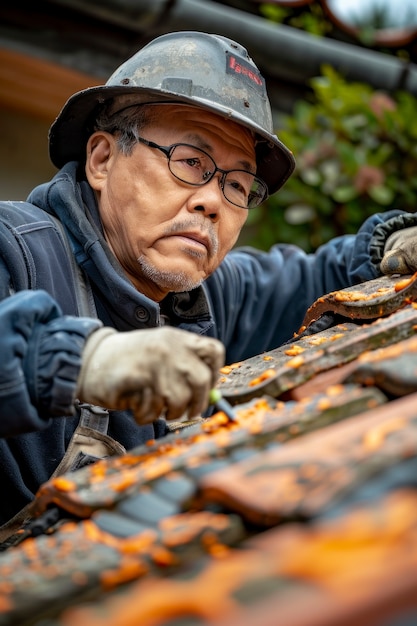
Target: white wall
<point x="24" y="160"/>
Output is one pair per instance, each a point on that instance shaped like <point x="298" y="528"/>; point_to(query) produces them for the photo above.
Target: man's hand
<point x="400" y="252"/>
<point x="161" y="371"/>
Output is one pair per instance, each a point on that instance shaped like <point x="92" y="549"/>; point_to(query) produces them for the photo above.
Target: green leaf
<point x="311" y="176"/>
<point x="299" y="214"/>
<point x="381" y="194"/>
<point x="338" y="129"/>
<point x="344" y="194"/>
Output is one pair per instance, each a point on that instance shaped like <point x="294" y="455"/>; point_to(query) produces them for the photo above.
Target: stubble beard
<point x="166" y="279"/>
<point x="180" y="281"/>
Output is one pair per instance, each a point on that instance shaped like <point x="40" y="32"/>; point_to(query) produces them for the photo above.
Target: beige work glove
<point x="400" y="252"/>
<point x="160" y="371"/>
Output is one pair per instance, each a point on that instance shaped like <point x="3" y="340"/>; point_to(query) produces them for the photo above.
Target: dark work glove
<point x="400" y="252"/>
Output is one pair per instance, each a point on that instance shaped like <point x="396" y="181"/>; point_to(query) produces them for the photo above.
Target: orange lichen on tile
<point x="375" y="437"/>
<point x="257" y="410"/>
<point x="350" y="296"/>
<point x="6" y="603"/>
<point x="204" y="598"/>
<point x="94" y="534"/>
<point x="227" y="369"/>
<point x="140" y="543"/>
<point x="330" y="553"/>
<point x="294" y="350"/>
<point x="405" y="282"/>
<point x="184" y="528"/>
<point x="216" y="548"/>
<point x="221" y="436"/>
<point x="129" y="570"/>
<point x="162" y="557"/>
<point x="358" y="296"/>
<point x="217" y="420"/>
<point x="296" y="362"/>
<point x="389" y="352"/>
<point x="324" y="404"/>
<point x="269" y="373"/>
<point x="158" y="468"/>
<point x="126" y="480"/>
<point x="63" y="484"/>
<point x="335" y="390"/>
<point x="30" y="548"/>
<point x="316" y="341"/>
<point x="98" y="471"/>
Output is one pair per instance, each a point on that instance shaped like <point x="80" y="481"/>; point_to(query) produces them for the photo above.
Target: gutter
<point x="94" y="37"/>
<point x="282" y="52"/>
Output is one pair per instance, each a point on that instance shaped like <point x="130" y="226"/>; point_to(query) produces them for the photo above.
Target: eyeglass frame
<point x="168" y="150"/>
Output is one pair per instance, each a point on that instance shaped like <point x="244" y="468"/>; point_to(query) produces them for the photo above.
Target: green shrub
<point x="356" y="152"/>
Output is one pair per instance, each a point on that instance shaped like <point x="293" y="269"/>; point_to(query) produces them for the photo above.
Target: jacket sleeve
<point x="41" y="358"/>
<point x="259" y="299"/>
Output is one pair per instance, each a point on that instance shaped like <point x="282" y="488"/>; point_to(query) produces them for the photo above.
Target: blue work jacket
<point x="253" y="302"/>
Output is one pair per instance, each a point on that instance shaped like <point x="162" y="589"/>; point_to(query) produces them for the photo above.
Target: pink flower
<point x="381" y="102"/>
<point x="368" y="176"/>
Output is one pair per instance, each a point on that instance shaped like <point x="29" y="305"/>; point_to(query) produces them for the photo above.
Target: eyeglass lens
<point x="196" y="167"/>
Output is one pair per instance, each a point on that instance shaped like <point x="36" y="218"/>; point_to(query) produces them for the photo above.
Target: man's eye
<point x="193" y="162"/>
<point x="237" y="187"/>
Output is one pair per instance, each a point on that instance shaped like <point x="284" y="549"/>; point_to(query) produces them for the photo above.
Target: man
<point x="159" y="168"/>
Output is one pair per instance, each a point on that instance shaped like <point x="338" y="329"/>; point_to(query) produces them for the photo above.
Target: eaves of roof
<point x="95" y="36"/>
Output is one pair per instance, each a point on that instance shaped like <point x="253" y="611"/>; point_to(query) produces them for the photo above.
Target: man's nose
<point x="209" y="198"/>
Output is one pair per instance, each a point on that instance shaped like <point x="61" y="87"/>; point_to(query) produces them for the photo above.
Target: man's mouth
<point x="195" y="239"/>
<point x="198" y="237"/>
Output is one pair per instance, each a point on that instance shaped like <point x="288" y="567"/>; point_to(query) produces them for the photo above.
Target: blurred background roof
<point x="92" y="37"/>
<point x="49" y="49"/>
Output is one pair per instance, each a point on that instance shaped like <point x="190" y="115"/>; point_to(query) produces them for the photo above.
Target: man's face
<point x="169" y="235"/>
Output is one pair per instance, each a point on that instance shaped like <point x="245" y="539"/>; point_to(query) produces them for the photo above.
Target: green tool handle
<point x="217" y="400"/>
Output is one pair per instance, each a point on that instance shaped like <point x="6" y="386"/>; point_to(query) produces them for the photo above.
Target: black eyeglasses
<point x="194" y="166"/>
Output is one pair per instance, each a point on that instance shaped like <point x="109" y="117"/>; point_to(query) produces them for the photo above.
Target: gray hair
<point x="127" y="124"/>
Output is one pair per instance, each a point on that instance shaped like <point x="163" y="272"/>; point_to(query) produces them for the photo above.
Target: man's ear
<point x="100" y="149"/>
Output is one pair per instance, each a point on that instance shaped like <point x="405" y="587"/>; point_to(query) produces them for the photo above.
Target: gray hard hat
<point x="204" y="70"/>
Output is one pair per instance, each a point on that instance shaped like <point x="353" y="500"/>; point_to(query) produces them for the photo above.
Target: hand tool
<point x="219" y="403"/>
